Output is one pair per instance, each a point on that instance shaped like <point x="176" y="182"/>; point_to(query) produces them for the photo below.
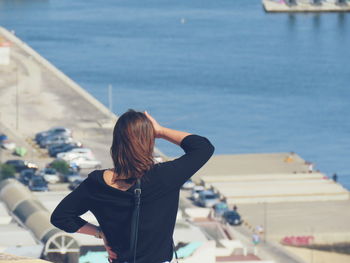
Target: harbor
<point x="36" y="96"/>
<point x="275" y="190"/>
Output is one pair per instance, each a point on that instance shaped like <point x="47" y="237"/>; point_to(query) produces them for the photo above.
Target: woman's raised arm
<point x="170" y="135"/>
<point x="198" y="151"/>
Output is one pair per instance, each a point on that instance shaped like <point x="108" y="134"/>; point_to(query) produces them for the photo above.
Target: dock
<point x="271" y="178"/>
<point x="292" y="200"/>
<point x="305" y="6"/>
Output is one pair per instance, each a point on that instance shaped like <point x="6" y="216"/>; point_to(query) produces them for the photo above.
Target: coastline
<point x="91" y="121"/>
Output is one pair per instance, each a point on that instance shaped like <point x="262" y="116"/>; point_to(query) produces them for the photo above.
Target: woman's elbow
<point x="67" y="223"/>
<point x="54" y="220"/>
<point x="61" y="225"/>
<point x="57" y="222"/>
<point x="210" y="149"/>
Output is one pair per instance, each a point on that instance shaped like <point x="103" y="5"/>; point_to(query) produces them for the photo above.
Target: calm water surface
<point x="250" y="81"/>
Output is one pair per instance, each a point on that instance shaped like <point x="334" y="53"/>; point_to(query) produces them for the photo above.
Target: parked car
<point x="195" y="192"/>
<point x="38" y="183"/>
<point x="72" y="166"/>
<point x="75" y="153"/>
<point x="20" y="165"/>
<point x="55" y="130"/>
<point x="85" y="163"/>
<point x="44" y="143"/>
<point x="220" y="208"/>
<point x="73" y="185"/>
<point x="55" y="149"/>
<point x="26" y="175"/>
<point x="232" y="217"/>
<point x="188" y="185"/>
<point x="71" y="176"/>
<point x="207" y="198"/>
<point x="8" y="145"/>
<point x="50" y="175"/>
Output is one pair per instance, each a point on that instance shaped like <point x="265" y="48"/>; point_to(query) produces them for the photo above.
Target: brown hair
<point x="132" y="146"/>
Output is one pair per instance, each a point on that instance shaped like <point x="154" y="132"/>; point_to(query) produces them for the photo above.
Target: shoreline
<point x="48" y="93"/>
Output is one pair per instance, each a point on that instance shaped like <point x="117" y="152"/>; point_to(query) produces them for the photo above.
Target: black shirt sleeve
<point x="198" y="151"/>
<point x="66" y="215"/>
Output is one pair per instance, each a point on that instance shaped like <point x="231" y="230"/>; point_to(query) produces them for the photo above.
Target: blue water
<point x="249" y="81"/>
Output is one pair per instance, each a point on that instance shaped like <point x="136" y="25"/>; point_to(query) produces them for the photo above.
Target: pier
<point x="294" y="6"/>
<point x="271" y="178"/>
<point x="283" y="193"/>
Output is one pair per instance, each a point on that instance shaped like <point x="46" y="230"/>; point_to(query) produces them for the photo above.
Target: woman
<point x="109" y="193"/>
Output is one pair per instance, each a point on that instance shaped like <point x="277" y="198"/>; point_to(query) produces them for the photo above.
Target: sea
<point x="250" y="81"/>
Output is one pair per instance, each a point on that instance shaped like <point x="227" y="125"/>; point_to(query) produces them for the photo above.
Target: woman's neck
<point x="112" y="179"/>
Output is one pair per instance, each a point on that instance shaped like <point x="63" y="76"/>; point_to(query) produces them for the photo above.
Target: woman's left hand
<point x="111" y="253"/>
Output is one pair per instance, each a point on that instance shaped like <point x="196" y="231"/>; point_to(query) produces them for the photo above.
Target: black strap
<point x="177" y="260"/>
<point x="135" y="222"/>
<point x="135" y="219"/>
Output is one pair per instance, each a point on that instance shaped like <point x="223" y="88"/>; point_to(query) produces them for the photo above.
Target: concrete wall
<point x="8" y="258"/>
<point x="204" y="254"/>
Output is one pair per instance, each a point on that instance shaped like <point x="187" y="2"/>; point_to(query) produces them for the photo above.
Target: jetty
<point x="293" y="6"/>
<point x="268" y="177"/>
<point x="296" y="204"/>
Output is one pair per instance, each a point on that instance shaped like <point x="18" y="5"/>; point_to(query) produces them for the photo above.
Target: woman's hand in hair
<point x="157" y="127"/>
<point x="111" y="253"/>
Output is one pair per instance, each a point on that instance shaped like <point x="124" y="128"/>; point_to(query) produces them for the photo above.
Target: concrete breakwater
<point x="36" y="96"/>
<point x="296" y="204"/>
<point x="269" y="177"/>
<point x="29" y="53"/>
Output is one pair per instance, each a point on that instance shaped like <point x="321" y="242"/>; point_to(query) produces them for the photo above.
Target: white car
<point x="207" y="198"/>
<point x="8" y="145"/>
<point x="188" y="185"/>
<point x="85" y="162"/>
<point x="195" y="192"/>
<point x="50" y="175"/>
<point x="75" y="153"/>
<point x="71" y="177"/>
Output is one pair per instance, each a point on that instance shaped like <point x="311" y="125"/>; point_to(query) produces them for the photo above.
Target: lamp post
<point x="0" y="146"/>
<point x="110" y="101"/>
<point x="265" y="221"/>
<point x="17" y="99"/>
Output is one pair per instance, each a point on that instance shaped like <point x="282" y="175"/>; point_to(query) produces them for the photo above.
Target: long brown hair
<point x="132" y="146"/>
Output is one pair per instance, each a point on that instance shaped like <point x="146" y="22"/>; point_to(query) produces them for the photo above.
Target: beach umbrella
<point x="21" y="151"/>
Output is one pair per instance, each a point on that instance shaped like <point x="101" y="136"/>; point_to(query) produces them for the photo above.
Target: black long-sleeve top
<point x="159" y="204"/>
